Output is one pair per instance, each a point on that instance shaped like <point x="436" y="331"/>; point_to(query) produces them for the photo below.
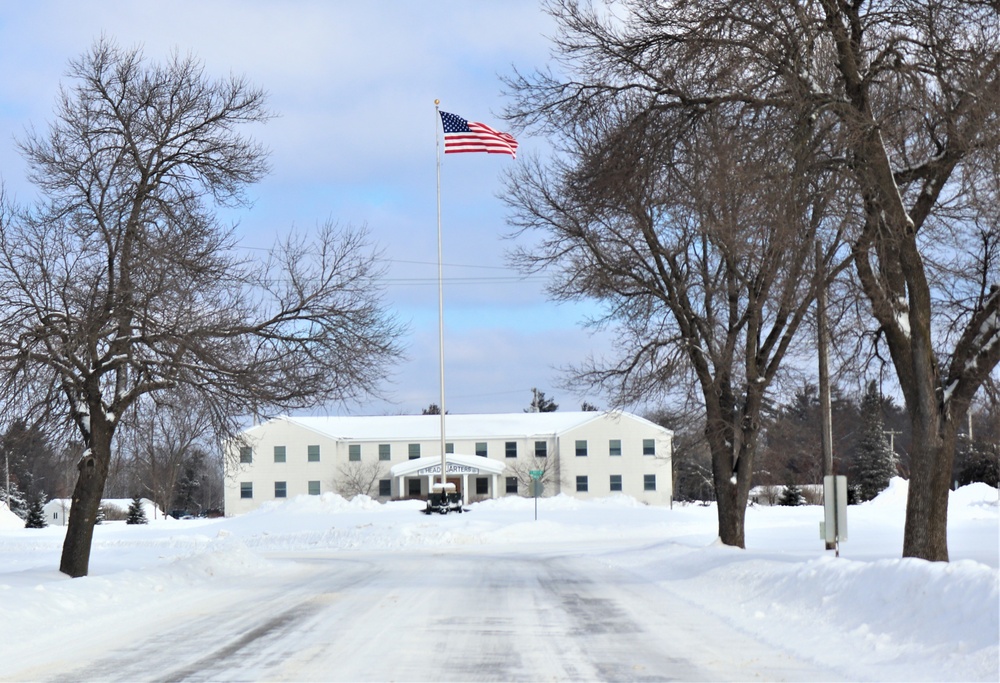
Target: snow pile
<point x="8" y="520"/>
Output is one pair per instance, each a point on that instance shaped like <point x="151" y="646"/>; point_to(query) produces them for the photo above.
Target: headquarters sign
<point x="452" y="469"/>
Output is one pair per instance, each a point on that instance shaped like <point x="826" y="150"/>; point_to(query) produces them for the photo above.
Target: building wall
<point x="598" y="465"/>
<point x="632" y="466"/>
<point x="296" y="471"/>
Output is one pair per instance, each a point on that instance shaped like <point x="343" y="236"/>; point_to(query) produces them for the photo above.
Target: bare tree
<point x="697" y="244"/>
<point x="166" y="430"/>
<point x="122" y="282"/>
<point x="521" y="468"/>
<point x="902" y="99"/>
<point x="359" y="478"/>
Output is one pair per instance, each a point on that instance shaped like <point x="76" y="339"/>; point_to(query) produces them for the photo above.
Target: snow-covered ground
<point x="609" y="590"/>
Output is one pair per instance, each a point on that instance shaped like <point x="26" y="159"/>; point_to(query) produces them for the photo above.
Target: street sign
<point x="536" y="474"/>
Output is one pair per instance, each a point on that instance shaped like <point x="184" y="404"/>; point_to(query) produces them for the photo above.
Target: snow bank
<point x="8" y="520"/>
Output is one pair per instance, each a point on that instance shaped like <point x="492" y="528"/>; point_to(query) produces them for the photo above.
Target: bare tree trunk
<point x="926" y="532"/>
<point x="87" y="494"/>
<point x="732" y="513"/>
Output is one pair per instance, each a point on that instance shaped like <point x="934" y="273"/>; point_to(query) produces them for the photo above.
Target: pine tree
<point x="136" y="515"/>
<point x="17" y="504"/>
<point x="792" y="495"/>
<point x="36" y="515"/>
<point x="540" y="404"/>
<point x="876" y="463"/>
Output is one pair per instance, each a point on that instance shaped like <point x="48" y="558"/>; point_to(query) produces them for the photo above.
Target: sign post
<point x="833" y="528"/>
<point x="536" y="485"/>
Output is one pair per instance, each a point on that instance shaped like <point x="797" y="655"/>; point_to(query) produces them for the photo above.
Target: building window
<point x="449" y="447"/>
<point x="481" y="449"/>
<point x="616" y="482"/>
<point x="482" y="486"/>
<point x="581" y="447"/>
<point x="649" y="482"/>
<point x="541" y="449"/>
<point x="649" y="446"/>
<point x="615" y="447"/>
<point x="413" y="487"/>
<point x="313" y="453"/>
<point x="510" y="449"/>
<point x="314" y="488"/>
<point x="414" y="451"/>
<point x="581" y="484"/>
<point x="384" y="452"/>
<point x="246" y="455"/>
<point x="280" y="489"/>
<point x="246" y="489"/>
<point x="385" y="487"/>
<point x="279" y="454"/>
<point x="511" y="485"/>
<point x="354" y="452"/>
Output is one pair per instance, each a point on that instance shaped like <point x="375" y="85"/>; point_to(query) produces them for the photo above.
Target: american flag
<point x="468" y="136"/>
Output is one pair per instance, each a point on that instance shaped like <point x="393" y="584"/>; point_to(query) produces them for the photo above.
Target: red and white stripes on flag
<point x="469" y="136"/>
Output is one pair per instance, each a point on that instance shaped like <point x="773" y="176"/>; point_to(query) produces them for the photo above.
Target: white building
<point x="56" y="511"/>
<point x="584" y="454"/>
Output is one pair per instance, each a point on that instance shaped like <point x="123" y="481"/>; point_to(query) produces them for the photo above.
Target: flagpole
<point x="437" y="148"/>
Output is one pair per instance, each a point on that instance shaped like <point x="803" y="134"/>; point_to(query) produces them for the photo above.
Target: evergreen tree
<point x="36" y="515"/>
<point x="136" y="515"/>
<point x="188" y="486"/>
<point x="17" y="504"/>
<point x="792" y="495"/>
<point x="540" y="404"/>
<point x="876" y="463"/>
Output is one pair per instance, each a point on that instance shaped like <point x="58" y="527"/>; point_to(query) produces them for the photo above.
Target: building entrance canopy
<point x="459" y="465"/>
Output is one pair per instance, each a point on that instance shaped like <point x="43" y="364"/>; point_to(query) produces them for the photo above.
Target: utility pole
<point x="892" y="441"/>
<point x="824" y="371"/>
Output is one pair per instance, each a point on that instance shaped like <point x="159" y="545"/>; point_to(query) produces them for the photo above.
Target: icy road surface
<point x="468" y="613"/>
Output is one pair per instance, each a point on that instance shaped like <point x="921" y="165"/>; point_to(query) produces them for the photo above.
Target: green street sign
<point x="536" y="474"/>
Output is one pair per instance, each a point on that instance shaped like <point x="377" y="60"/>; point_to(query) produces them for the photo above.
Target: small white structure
<point x="57" y="510"/>
<point x="462" y="466"/>
<point x="583" y="454"/>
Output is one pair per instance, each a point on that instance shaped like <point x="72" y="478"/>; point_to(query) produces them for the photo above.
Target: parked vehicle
<point x="443" y="499"/>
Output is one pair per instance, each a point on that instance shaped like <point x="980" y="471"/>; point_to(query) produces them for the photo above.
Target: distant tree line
<point x="167" y="453"/>
<point x="871" y="434"/>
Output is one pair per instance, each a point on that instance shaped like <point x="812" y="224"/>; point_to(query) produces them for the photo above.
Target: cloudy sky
<point x="354" y="85"/>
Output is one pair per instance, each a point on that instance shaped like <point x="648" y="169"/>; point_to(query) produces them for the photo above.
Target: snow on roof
<point x="482" y="426"/>
<point x="479" y="464"/>
<point x="122" y="504"/>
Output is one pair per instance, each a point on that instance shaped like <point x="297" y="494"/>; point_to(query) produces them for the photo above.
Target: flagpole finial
<point x="437" y="102"/>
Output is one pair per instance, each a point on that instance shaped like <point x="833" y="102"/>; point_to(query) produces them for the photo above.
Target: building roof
<point x="482" y="426"/>
<point x="462" y="464"/>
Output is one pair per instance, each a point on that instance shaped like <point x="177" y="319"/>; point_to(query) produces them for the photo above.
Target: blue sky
<point x="354" y="86"/>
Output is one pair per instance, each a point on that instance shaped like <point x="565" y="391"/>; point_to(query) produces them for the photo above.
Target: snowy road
<point x="466" y="613"/>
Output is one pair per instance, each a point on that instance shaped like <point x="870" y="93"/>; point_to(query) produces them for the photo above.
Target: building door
<point x="413" y="488"/>
<point x="457" y="481"/>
